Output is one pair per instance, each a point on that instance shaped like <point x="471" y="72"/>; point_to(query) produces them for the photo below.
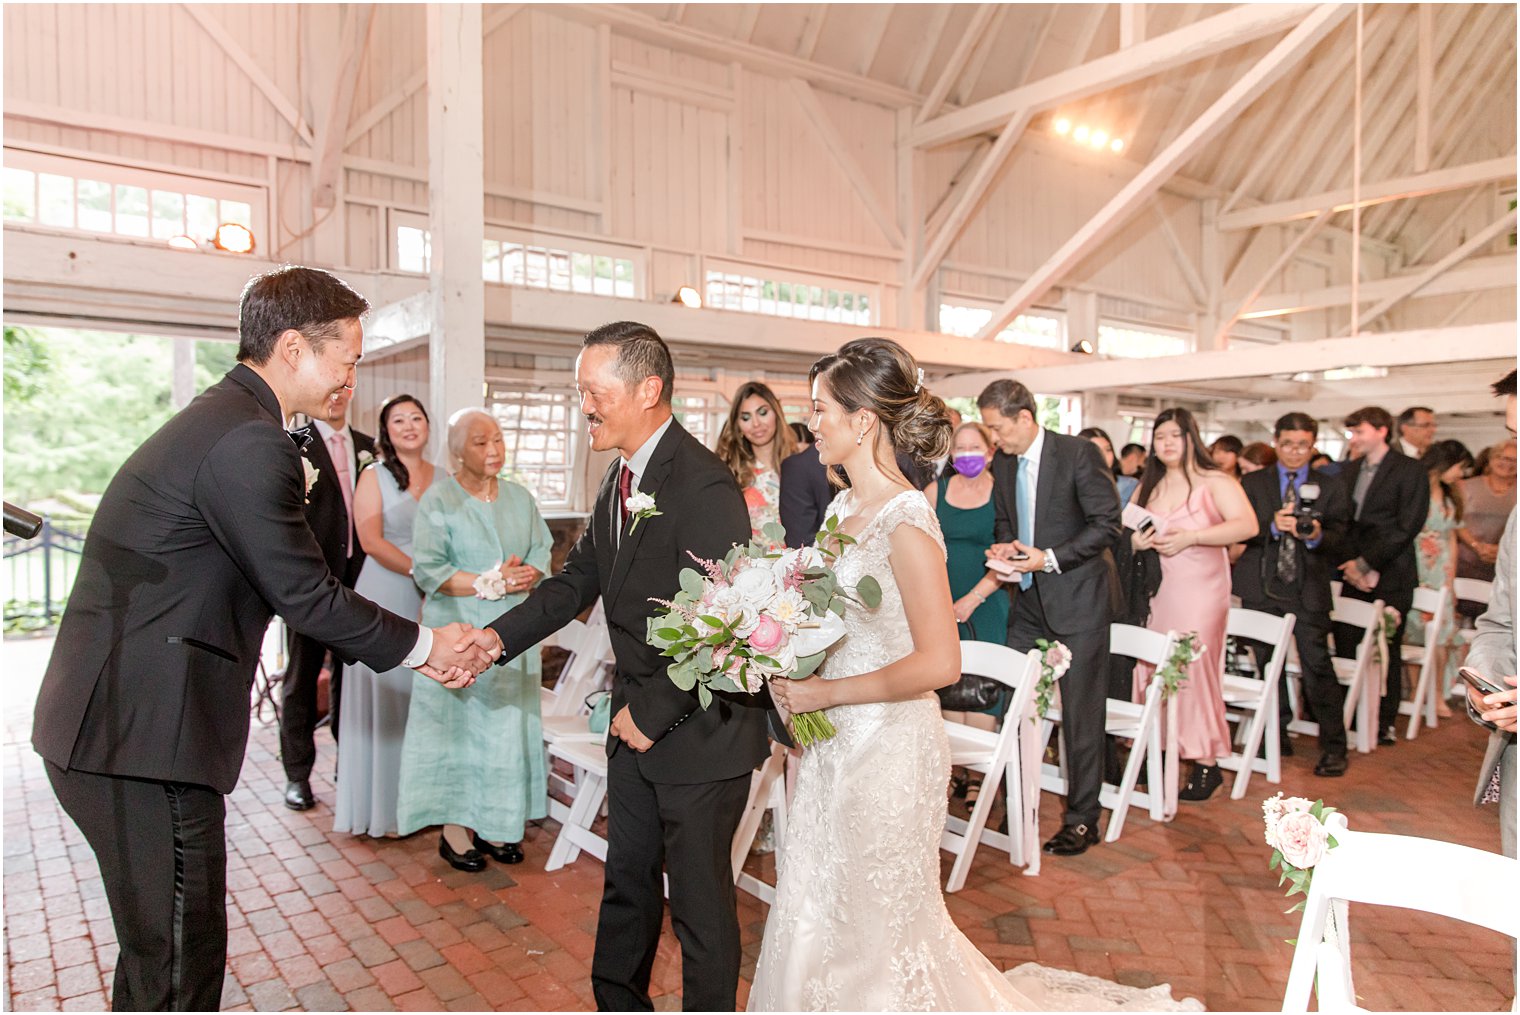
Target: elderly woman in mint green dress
<point x="473" y="759"/>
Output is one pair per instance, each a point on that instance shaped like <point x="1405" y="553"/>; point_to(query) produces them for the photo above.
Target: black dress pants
<point x="298" y="705"/>
<point x="689" y="831"/>
<point x="1324" y="697"/>
<point x="1084" y="696"/>
<point x="163" y="857"/>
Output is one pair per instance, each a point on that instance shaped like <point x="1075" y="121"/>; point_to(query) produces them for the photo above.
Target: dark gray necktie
<point x="1287" y="546"/>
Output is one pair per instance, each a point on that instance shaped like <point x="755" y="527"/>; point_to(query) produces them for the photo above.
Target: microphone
<point x="21" y="522"/>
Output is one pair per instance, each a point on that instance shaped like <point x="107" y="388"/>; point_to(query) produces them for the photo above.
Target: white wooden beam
<point x="246" y="63"/>
<point x="928" y="47"/>
<point x="1237" y="97"/>
<point x="456" y="206"/>
<point x="808" y="44"/>
<point x="156" y="130"/>
<point x="1267" y="276"/>
<point x="832" y="140"/>
<point x="1131" y="25"/>
<point x="1221" y="32"/>
<point x="974" y="35"/>
<point x="1433" y="182"/>
<point x="628" y="21"/>
<point x="332" y="125"/>
<point x="1424" y="277"/>
<point x="371" y="117"/>
<point x="978" y="62"/>
<point x="873" y="37"/>
<point x="987" y="172"/>
<point x="1392" y="349"/>
<point x="1190" y="276"/>
<point x="1495" y="272"/>
<point x="1425" y="62"/>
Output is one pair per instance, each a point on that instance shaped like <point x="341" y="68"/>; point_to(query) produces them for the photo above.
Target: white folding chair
<point x="1470" y="590"/>
<point x="998" y="757"/>
<point x="588" y="793"/>
<point x="1256" y="698"/>
<point x="767" y="792"/>
<point x="1139" y="723"/>
<point x="1443" y="878"/>
<point x="1427" y="690"/>
<point x="1364" y="674"/>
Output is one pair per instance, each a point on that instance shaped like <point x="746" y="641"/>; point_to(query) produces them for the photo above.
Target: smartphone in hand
<point x="1478" y="682"/>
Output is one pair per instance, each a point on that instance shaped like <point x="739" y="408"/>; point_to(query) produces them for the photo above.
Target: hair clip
<point x="920" y="385"/>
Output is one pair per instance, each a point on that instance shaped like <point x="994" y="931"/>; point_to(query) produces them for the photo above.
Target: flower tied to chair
<point x="1295" y="829"/>
<point x="1187" y="650"/>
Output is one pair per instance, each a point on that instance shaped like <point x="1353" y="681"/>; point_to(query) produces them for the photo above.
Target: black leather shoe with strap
<point x="1072" y="840"/>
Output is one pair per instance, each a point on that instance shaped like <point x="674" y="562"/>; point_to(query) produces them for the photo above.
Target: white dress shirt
<point x="639" y="463"/>
<point x="1032" y="456"/>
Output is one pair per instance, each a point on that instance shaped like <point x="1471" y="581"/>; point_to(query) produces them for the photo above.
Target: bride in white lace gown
<point x="859" y="921"/>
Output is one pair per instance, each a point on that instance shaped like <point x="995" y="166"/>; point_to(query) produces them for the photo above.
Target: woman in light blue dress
<point x="473" y="760"/>
<point x="373" y="719"/>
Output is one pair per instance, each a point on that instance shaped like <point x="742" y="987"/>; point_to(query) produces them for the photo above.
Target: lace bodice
<point x="875" y="638"/>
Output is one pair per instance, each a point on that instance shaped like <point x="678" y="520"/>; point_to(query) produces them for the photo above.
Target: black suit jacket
<point x="326" y="512"/>
<point x="1250" y="576"/>
<point x="199" y="538"/>
<point x="805" y="496"/>
<point x="701" y="511"/>
<point x="1393" y="513"/>
<point x="1077" y="517"/>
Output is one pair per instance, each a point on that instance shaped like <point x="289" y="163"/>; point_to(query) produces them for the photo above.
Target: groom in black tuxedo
<point x="1057" y="514"/>
<point x="142" y="717"/>
<point x="678" y="774"/>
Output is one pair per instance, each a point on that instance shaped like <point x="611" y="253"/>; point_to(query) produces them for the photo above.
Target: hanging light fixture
<point x="688" y="296"/>
<point x="234" y="238"/>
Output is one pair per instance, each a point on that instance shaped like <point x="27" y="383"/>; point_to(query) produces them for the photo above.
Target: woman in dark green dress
<point x="963" y="501"/>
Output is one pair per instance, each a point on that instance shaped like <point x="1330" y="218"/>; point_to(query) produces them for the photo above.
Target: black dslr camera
<point x="1305" y="513"/>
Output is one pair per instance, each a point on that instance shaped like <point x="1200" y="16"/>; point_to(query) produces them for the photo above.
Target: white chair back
<point x="1403" y="871"/>
<point x="1256" y="697"/>
<point x="1139" y="643"/>
<point x="1001" y="756"/>
<point x="1472" y="590"/>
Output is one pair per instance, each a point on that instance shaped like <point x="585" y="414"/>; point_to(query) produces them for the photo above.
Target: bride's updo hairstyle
<point x="880" y="375"/>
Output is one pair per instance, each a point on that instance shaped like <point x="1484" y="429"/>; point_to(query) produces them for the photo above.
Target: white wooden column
<point x="182" y="380"/>
<point x="456" y="212"/>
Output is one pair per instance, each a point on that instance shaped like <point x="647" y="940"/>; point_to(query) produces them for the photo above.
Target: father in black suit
<point x="678" y="775"/>
<point x="1057" y="515"/>
<point x="142" y="717"/>
<point x="1390" y="498"/>
<point x="1284" y="570"/>
<point x="336" y="451"/>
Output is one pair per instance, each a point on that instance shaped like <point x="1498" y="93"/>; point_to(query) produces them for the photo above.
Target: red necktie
<point x="625" y="490"/>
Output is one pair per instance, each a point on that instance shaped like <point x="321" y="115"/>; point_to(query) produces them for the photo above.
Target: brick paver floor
<point x="324" y="921"/>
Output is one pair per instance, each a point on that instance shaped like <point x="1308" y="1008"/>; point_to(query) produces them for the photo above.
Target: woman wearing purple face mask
<point x="963" y="501"/>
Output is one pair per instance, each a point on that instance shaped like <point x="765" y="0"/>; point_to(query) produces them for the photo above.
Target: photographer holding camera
<point x="1302" y="516"/>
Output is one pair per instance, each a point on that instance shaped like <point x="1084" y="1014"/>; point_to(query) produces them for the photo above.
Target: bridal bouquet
<point x="756" y="615"/>
<point x="1295" y="829"/>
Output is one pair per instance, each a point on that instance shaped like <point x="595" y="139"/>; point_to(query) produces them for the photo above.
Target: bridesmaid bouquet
<point x="756" y="615"/>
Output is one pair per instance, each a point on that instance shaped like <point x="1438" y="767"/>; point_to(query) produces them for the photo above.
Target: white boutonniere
<point x="639" y="506"/>
<point x="312" y="475"/>
<point x="365" y="459"/>
<point x="490" y="585"/>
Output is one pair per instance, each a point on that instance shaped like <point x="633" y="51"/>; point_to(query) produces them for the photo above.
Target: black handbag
<point x="973" y="692"/>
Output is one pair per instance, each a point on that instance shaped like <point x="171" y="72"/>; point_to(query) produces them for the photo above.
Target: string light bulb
<point x="1116" y="146"/>
<point x="1063" y="126"/>
<point x="1080" y="134"/>
<point x="1099" y="138"/>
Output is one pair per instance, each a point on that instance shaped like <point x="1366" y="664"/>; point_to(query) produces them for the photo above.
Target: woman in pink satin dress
<point x="1201" y="511"/>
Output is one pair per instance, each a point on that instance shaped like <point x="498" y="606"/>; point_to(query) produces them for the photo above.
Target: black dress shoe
<point x="298" y="795"/>
<point x="507" y="852"/>
<point x="1387" y="737"/>
<point x="470" y="861"/>
<point x="1072" y="839"/>
<point x="1202" y="783"/>
<point x="1331" y="765"/>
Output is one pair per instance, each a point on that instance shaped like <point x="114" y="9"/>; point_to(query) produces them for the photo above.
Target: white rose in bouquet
<point x="756" y="586"/>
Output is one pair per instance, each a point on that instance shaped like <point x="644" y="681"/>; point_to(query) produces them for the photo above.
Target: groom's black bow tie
<point x="301" y="436"/>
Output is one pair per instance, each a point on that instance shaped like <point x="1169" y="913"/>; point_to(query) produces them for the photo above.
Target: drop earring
<point x="860" y="438"/>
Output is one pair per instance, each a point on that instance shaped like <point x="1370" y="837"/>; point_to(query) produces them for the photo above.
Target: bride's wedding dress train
<point x="859" y="921"/>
